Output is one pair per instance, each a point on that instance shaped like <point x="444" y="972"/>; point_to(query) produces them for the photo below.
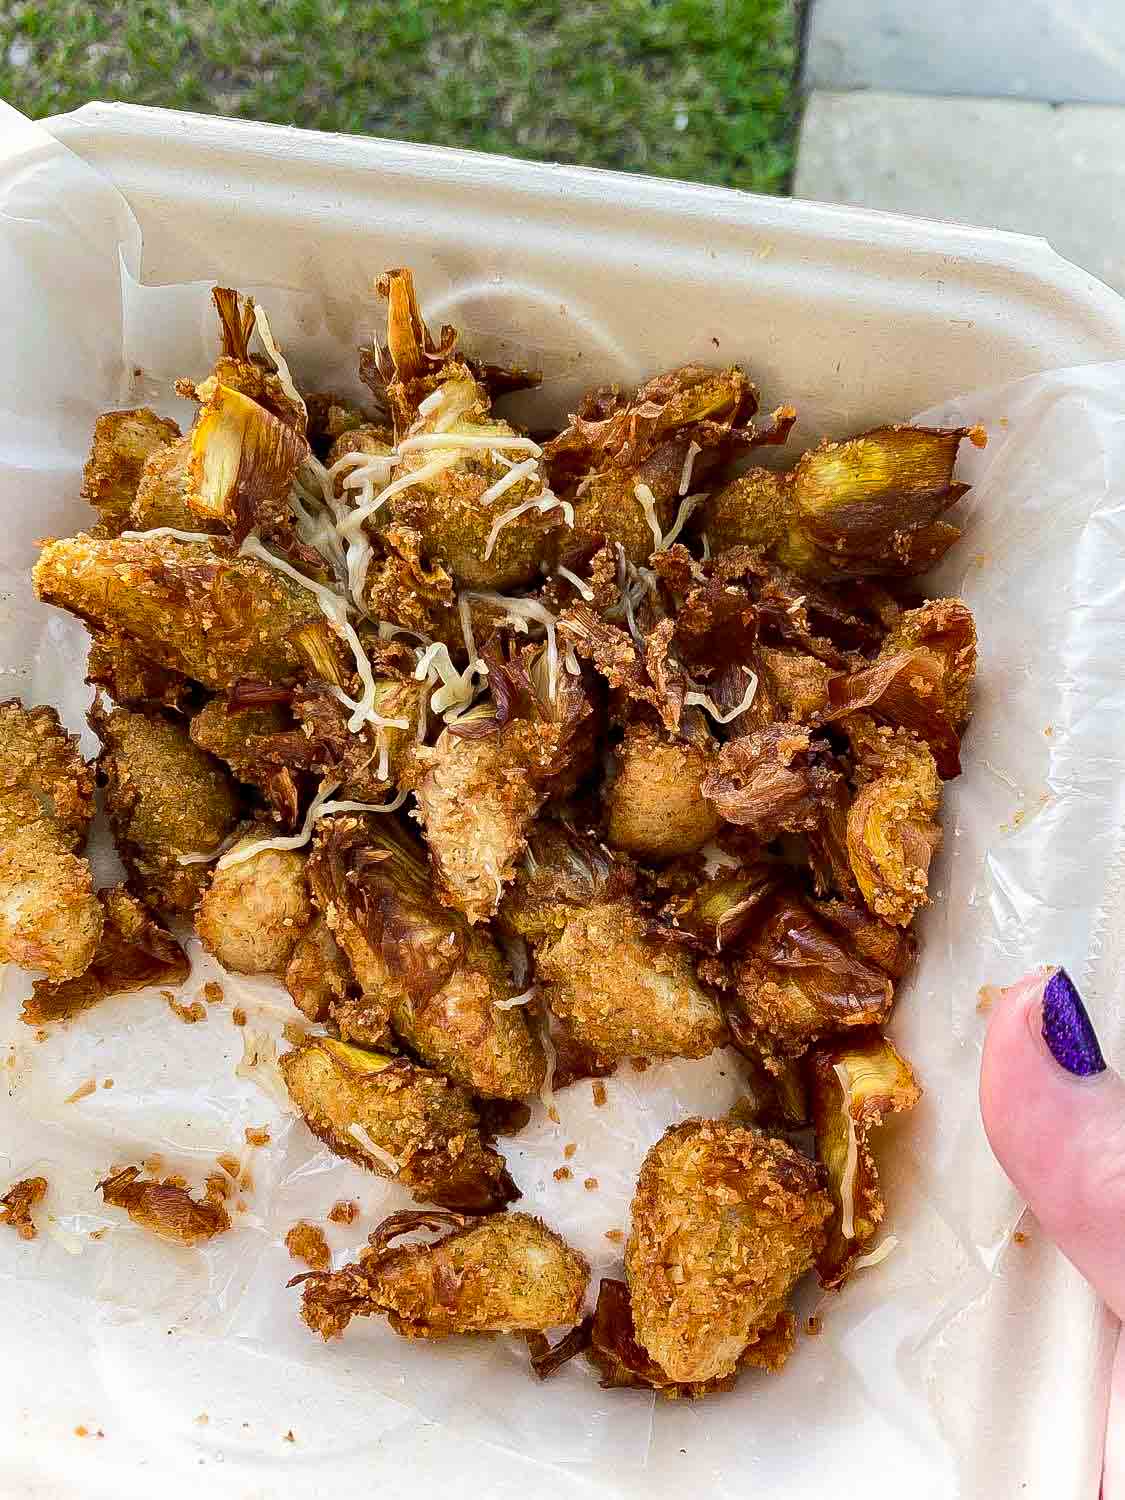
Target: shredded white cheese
<point x="201" y="858"/>
<point x="457" y="688"/>
<point x="847" y="1186"/>
<point x="583" y="588"/>
<point x="524" y="999"/>
<point x="384" y="1158"/>
<point x="706" y="541"/>
<point x="686" y="508"/>
<point x="285" y="380"/>
<point x="547" y="1090"/>
<point x="352" y="523"/>
<point x="689" y="464"/>
<point x="463" y="440"/>
<point x="648" y="504"/>
<point x="696" y="699"/>
<point x="431" y="402"/>
<point x="880" y="1253"/>
<point x="157" y="531"/>
<point x="543" y="503"/>
<point x="517" y="472"/>
<point x="320" y="807"/>
<point x="519" y="613"/>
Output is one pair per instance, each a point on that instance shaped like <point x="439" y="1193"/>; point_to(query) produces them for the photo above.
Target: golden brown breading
<point x="893" y="832"/>
<point x="400" y="1121"/>
<point x="49" y="915"/>
<point x="165" y="798"/>
<point x="123" y="442"/>
<point x="318" y="976"/>
<point x="656" y="806"/>
<point x="165" y="1208"/>
<point x="773" y="781"/>
<point x="853" y="1083"/>
<point x="213" y="616"/>
<point x="115" y="664"/>
<point x="724" y="1223"/>
<point x="418" y="964"/>
<point x="134" y="951"/>
<point x="42" y="774"/>
<point x="18" y="1202"/>
<point x="241" y="737"/>
<point x="624" y="993"/>
<point x="562" y="871"/>
<point x="796" y="681"/>
<point x="306" y="1242"/>
<point x="252" y="913"/>
<point x="509" y="1274"/>
<point x="162" y="494"/>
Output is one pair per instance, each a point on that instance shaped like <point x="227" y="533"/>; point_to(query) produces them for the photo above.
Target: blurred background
<point x="1003" y="112"/>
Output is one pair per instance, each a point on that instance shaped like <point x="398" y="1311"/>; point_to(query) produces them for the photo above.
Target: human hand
<point x="1055" y="1117"/>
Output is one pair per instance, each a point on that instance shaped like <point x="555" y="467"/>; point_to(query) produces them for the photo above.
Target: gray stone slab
<point x="1053" y="171"/>
<point x="1056" y="50"/>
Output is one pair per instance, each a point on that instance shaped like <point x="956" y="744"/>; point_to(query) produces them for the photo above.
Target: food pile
<point x="514" y="756"/>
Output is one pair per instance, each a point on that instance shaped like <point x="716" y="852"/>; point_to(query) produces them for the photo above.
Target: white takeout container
<point x="856" y="317"/>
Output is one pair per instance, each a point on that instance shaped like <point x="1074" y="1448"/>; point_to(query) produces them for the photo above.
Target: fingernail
<point x="1067" y="1028"/>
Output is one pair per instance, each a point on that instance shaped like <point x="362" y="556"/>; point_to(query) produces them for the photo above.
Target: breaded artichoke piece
<point x="243" y="463"/>
<point x="115" y="664"/>
<point x="134" y="952"/>
<point x="893" y="832"/>
<point x="418" y="964"/>
<point x="796" y="681"/>
<point x="854" y="1083"/>
<point x="318" y="976"/>
<point x="162" y="493"/>
<point x="50" y="918"/>
<point x="241" y="738"/>
<point x="624" y="993"/>
<point x="725" y="1221"/>
<point x="480" y="787"/>
<point x="400" y="1121"/>
<point x="562" y="871"/>
<point x="242" y="371"/>
<point x="213" y="616"/>
<point x="254" y="910"/>
<point x="871" y="505"/>
<point x="656" y="804"/>
<point x="123" y="441"/>
<point x="165" y="798"/>
<point x="509" y="1274"/>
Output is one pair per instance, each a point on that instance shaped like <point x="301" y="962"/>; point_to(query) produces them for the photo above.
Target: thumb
<point x="1055" y="1117"/>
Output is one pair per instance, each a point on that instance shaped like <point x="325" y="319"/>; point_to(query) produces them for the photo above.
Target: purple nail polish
<point x="1068" y="1030"/>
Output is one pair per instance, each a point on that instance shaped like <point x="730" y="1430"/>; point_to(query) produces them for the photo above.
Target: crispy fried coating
<point x="656" y="804"/>
<point x="772" y="781"/>
<point x="562" y="871"/>
<point x="869" y="506"/>
<point x="893" y="832"/>
<point x="123" y="441"/>
<point x="624" y="993"/>
<point x="318" y="975"/>
<point x="242" y="738"/>
<point x="164" y="1208"/>
<point x="796" y="681"/>
<point x="163" y="490"/>
<point x="400" y="1121"/>
<point x="418" y="964"/>
<point x="713" y="915"/>
<point x="18" y="1202"/>
<point x="252" y="914"/>
<point x="725" y="1221"/>
<point x="243" y="463"/>
<point x="42" y="774"/>
<point x="853" y="1084"/>
<point x="165" y="798"/>
<point x="509" y="1274"/>
<point x="368" y="764"/>
<point x="210" y="615"/>
<point x="115" y="664"/>
<point x="134" y="952"/>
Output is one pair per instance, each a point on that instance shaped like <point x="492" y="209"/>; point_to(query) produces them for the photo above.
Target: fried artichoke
<point x="123" y="442"/>
<point x="256" y="907"/>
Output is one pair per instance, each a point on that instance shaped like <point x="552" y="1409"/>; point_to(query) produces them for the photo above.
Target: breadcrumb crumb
<point x="257" y="1135"/>
<point x="188" y="1014"/>
<point x="344" y="1212"/>
<point x="83" y="1091"/>
<point x="306" y="1242"/>
<point x="599" y="1093"/>
<point x="562" y="1174"/>
<point x="238" y="1016"/>
<point x="590" y="1184"/>
<point x="213" y="992"/>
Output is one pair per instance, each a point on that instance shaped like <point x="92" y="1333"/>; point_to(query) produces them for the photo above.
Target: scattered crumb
<point x="202" y="1419"/>
<point x="81" y="1432"/>
<point x="615" y="1236"/>
<point x="306" y="1242"/>
<point x="42" y="1034"/>
<point x="246" y="1182"/>
<point x="569" y="1149"/>
<point x="213" y="992"/>
<point x="83" y="1091"/>
<point x="188" y="1014"/>
<point x="553" y="1115"/>
<point x="639" y="1064"/>
<point x="240" y="1206"/>
<point x="591" y="1184"/>
<point x="293" y="1033"/>
<point x="599" y="1092"/>
<point x="257" y="1135"/>
<point x="987" y="996"/>
<point x="289" y="1438"/>
<point x="238" y="1016"/>
<point x="98" y="1234"/>
<point x="230" y="1164"/>
<point x="107" y="1083"/>
<point x="153" y="1164"/>
<point x="814" y="1326"/>
<point x="562" y="1174"/>
<point x="18" y="1202"/>
<point x="1048" y="730"/>
<point x="1021" y="1238"/>
<point x="175" y="1180"/>
<point x="217" y="1186"/>
<point x="344" y="1212"/>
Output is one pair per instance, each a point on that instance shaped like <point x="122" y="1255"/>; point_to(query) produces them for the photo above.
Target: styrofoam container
<point x="856" y="317"/>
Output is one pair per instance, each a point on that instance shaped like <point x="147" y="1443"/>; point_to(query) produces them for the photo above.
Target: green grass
<point x="700" y="89"/>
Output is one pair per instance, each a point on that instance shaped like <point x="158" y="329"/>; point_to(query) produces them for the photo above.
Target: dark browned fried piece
<point x="507" y="1274"/>
<point x="854" y="1083"/>
<point x="123" y="440"/>
<point x="165" y="1209"/>
<point x="18" y="1202"/>
<point x="318" y="976"/>
<point x="773" y="781"/>
<point x="115" y="664"/>
<point x="400" y="1121"/>
<point x="134" y="952"/>
<point x="714" y="915"/>
<point x="725" y="1221"/>
<point x="241" y="737"/>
